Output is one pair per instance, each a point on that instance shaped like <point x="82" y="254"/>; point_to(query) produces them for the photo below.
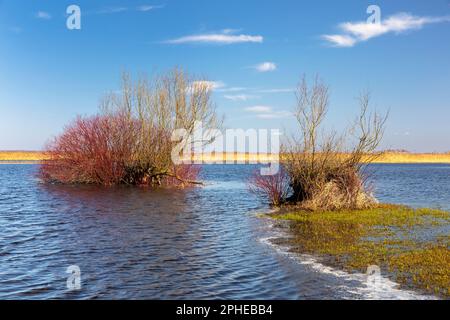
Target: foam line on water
<point x="369" y="287"/>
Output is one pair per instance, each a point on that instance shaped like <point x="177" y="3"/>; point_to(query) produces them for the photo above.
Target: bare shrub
<point x="273" y="187"/>
<point x="326" y="168"/>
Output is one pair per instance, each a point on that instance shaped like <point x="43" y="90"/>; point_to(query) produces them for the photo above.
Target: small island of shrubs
<point x="324" y="194"/>
<point x="130" y="140"/>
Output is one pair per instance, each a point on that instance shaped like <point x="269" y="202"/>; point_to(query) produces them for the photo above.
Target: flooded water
<point x="202" y="243"/>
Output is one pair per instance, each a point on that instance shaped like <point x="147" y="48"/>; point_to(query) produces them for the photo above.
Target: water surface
<point x="202" y="243"/>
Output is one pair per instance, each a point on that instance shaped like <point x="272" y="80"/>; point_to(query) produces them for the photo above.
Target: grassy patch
<point x="411" y="244"/>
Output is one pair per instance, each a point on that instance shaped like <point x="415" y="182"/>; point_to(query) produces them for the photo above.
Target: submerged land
<point x="410" y="246"/>
<point x="385" y="157"/>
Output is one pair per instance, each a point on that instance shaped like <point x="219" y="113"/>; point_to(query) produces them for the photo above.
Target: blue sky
<point x="255" y="51"/>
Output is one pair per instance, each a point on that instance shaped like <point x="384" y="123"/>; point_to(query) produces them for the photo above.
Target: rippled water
<point x="417" y="185"/>
<point x="201" y="243"/>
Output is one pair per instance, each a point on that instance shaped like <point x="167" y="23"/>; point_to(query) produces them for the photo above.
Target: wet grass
<point x="411" y="246"/>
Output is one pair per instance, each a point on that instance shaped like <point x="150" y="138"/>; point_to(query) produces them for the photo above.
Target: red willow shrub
<point x="184" y="175"/>
<point x="92" y="150"/>
<point x="273" y="187"/>
<point x="103" y="150"/>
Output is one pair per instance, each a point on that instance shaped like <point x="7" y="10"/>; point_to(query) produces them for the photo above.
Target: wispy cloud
<point x="279" y="90"/>
<point x="230" y="31"/>
<point x="226" y="36"/>
<point x="265" y="67"/>
<point x="240" y="97"/>
<point x="266" y="112"/>
<point x="274" y="115"/>
<point x="208" y="85"/>
<point x="43" y="15"/>
<point x="147" y="7"/>
<point x="354" y="32"/>
<point x="232" y="89"/>
<point x="220" y="86"/>
<point x="110" y="10"/>
<point x="340" y="40"/>
<point x="120" y="9"/>
<point x="259" y="109"/>
<point x="212" y="84"/>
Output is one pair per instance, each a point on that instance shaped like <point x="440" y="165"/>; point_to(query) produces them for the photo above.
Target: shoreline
<point x="376" y="287"/>
<point x="350" y="241"/>
<point x="27" y="157"/>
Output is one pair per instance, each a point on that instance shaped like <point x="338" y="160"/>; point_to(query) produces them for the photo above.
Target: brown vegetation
<point x="319" y="176"/>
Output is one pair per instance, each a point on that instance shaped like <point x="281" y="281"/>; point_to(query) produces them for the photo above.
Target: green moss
<point x="385" y="236"/>
<point x="428" y="268"/>
<point x="383" y="215"/>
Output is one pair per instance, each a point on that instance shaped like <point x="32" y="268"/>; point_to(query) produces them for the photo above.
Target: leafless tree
<point x="325" y="167"/>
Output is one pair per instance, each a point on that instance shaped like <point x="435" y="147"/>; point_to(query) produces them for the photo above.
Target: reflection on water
<point x="159" y="244"/>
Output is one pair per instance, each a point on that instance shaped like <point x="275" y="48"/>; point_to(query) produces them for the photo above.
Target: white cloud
<point x="145" y="8"/>
<point x="340" y="40"/>
<point x="230" y="31"/>
<point x="43" y="15"/>
<point x="238" y="94"/>
<point x="121" y="9"/>
<point x="265" y="67"/>
<point x="397" y="23"/>
<point x="213" y="84"/>
<point x="209" y="85"/>
<point x="354" y="32"/>
<point x="266" y="112"/>
<point x="226" y="36"/>
<point x="274" y="115"/>
<point x="259" y="109"/>
<point x="110" y="10"/>
<point x="240" y="97"/>
<point x="232" y="89"/>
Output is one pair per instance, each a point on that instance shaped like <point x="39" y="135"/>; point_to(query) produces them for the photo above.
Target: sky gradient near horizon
<point x="253" y="51"/>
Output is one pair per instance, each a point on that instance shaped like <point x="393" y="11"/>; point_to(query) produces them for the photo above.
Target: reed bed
<point x="241" y="157"/>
